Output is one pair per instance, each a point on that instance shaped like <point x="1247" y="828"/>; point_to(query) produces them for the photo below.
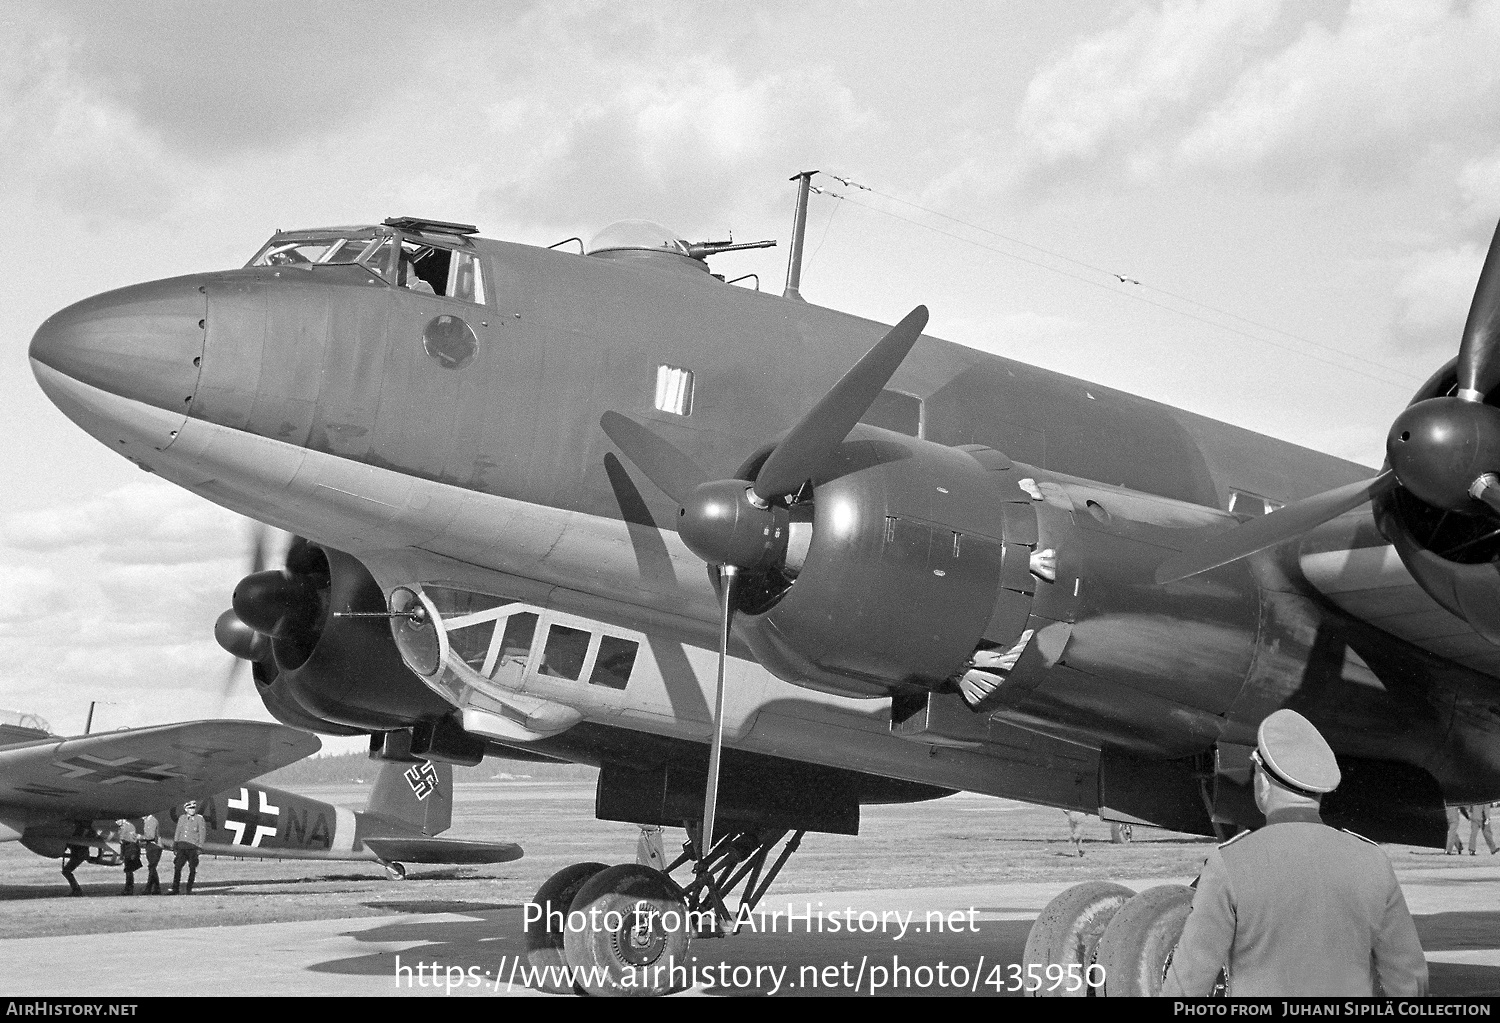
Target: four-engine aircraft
<point x="60" y="794"/>
<point x="765" y="563"/>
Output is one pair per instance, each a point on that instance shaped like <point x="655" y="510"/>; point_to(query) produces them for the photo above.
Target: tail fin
<point x="418" y="797"/>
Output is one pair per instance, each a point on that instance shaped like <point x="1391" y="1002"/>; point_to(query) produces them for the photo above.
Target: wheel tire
<point x="395" y="871"/>
<point x="650" y="933"/>
<point x="544" y="938"/>
<point x="1137" y="946"/>
<point x="1068" y="930"/>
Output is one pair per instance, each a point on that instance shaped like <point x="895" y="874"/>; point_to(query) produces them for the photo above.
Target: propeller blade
<point x="259" y="540"/>
<point x="674" y="473"/>
<point x="226" y="687"/>
<point x="727" y="576"/>
<point x="1269" y="530"/>
<point x="1478" y="360"/>
<point x="802" y="452"/>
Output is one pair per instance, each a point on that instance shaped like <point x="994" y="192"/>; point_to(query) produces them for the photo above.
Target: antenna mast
<point x="799" y="228"/>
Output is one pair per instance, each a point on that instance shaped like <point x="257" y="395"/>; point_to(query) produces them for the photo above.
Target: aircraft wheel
<point x="395" y="871"/>
<point x="1066" y="934"/>
<point x="633" y="931"/>
<point x="1136" y="948"/>
<point x="544" y="937"/>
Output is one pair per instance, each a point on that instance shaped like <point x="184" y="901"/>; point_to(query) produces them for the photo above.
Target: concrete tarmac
<point x="926" y="941"/>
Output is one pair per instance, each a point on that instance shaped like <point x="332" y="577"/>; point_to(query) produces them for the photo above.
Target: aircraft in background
<point x="606" y="507"/>
<point x="60" y="793"/>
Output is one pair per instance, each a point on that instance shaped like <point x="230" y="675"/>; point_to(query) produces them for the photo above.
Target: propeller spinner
<point x="1445" y="450"/>
<point x="741" y="526"/>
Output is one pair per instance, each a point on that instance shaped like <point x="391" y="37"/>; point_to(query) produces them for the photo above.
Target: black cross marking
<point x="114" y="772"/>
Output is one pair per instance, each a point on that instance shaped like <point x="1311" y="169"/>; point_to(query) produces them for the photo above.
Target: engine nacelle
<point x="911" y="545"/>
<point x="344" y="675"/>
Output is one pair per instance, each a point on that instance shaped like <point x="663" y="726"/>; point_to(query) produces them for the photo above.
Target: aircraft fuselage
<point x="442" y="441"/>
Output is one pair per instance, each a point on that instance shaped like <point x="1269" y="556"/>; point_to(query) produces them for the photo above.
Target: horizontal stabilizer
<point x="442" y="850"/>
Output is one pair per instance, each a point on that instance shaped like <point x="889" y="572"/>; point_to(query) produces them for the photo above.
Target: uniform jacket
<point x="1298" y="908"/>
<point x="192" y="831"/>
<point x="150" y="830"/>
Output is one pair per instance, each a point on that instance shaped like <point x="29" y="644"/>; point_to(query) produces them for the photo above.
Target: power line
<point x="1405" y="381"/>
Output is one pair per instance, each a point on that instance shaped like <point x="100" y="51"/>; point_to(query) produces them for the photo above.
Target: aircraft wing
<point x="442" y="850"/>
<point x="133" y="771"/>
<point x="1358" y="570"/>
<point x="1372" y="583"/>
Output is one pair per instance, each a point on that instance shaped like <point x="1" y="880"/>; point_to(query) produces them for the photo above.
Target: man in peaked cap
<point x="1297" y="907"/>
<point x="192" y="832"/>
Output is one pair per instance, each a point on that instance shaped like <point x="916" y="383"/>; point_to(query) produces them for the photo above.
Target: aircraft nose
<point x="143" y="342"/>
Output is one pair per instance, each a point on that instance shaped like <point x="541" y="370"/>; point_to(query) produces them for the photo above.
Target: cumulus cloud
<point x="115" y="598"/>
<point x="1255" y="86"/>
<point x="1146" y="77"/>
<point x="213" y="80"/>
<point x="150" y="523"/>
<point x="1433" y="294"/>
<point x="29" y="594"/>
<point x="1479" y="190"/>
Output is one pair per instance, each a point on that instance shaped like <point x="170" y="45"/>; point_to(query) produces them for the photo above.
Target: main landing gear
<point x="1118" y="942"/>
<point x="626" y="930"/>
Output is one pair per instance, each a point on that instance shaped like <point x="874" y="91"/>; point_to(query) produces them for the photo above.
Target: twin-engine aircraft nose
<point x="143" y="342"/>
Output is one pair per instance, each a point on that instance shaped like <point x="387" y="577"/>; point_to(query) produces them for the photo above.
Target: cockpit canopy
<point x="427" y="256"/>
<point x="324" y="245"/>
<point x="24" y="719"/>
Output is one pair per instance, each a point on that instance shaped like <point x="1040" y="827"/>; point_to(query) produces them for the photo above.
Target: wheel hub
<point x="641" y="938"/>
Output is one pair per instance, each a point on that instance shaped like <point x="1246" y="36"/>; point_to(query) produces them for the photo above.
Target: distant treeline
<point x="358" y="768"/>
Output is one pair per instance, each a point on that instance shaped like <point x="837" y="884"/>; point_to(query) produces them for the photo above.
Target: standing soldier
<point x="151" y="843"/>
<point x="192" y="832"/>
<point x="1075" y="830"/>
<point x="130" y="853"/>
<point x="75" y="855"/>
<point x="1479" y="823"/>
<point x="1297" y="908"/>
<point x="1455" y="843"/>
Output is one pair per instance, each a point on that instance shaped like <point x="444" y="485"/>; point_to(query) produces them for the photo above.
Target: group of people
<point x="187" y="843"/>
<point x="1479" y="817"/>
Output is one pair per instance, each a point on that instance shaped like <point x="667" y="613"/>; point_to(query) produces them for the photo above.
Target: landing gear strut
<point x="734" y="860"/>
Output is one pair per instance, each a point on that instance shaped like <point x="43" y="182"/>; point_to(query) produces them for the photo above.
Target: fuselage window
<point x="434" y="270"/>
<point x="674" y="390"/>
<point x="614" y="662"/>
<point x="473" y="643"/>
<point x="565" y="651"/>
<point x="515" y="644"/>
<point x="896" y="411"/>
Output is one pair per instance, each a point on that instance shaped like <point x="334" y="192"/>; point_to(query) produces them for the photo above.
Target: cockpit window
<point x="308" y="247"/>
<point x="411" y="263"/>
<point x="434" y="270"/>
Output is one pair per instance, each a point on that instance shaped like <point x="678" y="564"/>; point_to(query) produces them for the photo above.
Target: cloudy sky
<point x="1303" y="190"/>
